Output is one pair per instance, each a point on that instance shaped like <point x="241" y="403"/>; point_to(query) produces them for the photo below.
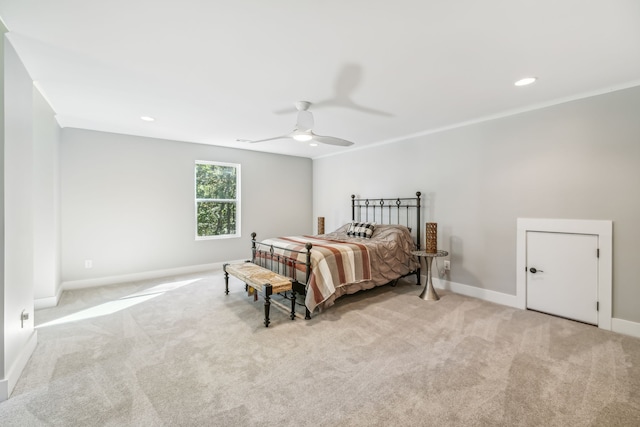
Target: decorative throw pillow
<point x="361" y="229"/>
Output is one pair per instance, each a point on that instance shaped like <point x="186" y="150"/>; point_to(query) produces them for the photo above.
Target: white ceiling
<point x="376" y="70"/>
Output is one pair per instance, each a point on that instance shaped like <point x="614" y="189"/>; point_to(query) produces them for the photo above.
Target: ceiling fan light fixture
<point x="302" y="136"/>
<point x="526" y="81"/>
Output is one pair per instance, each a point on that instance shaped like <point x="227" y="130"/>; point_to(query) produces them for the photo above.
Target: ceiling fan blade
<point x="331" y="140"/>
<point x="287" y="110"/>
<point x="270" y="139"/>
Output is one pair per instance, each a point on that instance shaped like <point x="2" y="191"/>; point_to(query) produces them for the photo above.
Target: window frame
<point x="198" y="200"/>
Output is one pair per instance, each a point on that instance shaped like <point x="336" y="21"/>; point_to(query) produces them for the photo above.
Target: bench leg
<point x="267" y="304"/>
<point x="226" y="279"/>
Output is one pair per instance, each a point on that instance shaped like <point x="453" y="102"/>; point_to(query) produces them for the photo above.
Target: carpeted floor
<point x="179" y="352"/>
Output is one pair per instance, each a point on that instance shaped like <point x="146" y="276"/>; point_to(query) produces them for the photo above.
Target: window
<point x="217" y="200"/>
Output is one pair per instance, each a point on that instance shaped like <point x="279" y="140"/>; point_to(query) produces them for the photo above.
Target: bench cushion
<point x="256" y="276"/>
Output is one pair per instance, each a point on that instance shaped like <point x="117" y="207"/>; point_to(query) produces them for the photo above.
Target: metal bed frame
<point x="382" y="211"/>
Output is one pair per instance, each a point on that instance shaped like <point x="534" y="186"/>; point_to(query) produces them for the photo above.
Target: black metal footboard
<point x="265" y="255"/>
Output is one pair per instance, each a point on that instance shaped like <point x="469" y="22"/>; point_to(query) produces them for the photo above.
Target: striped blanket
<point x="333" y="263"/>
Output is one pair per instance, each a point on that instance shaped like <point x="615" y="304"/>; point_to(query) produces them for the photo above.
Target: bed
<point x="373" y="249"/>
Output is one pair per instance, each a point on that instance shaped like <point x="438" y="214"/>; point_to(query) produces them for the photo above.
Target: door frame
<point x="603" y="229"/>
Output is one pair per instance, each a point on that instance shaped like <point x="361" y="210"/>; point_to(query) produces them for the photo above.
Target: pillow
<point x="361" y="229"/>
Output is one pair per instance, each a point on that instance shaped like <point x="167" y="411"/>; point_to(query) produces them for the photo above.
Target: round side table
<point x="429" y="293"/>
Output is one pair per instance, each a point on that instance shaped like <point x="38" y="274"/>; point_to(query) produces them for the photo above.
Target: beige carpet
<point x="180" y="352"/>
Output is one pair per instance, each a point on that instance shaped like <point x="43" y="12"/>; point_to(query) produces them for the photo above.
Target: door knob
<point x="534" y="271"/>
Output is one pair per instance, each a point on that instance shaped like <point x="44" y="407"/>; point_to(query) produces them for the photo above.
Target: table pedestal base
<point x="429" y="293"/>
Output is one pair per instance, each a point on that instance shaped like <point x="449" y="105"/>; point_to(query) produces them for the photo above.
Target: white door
<point x="562" y="274"/>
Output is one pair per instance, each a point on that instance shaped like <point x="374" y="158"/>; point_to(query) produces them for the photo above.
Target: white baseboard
<point x="625" y="327"/>
<point x="47" y="302"/>
<point x="620" y="326"/>
<point x="9" y="382"/>
<point x="472" y="291"/>
<point x="155" y="274"/>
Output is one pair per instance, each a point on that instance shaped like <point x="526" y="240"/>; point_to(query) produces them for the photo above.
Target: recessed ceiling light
<point x="313" y="144"/>
<point x="147" y="119"/>
<point x="526" y="81"/>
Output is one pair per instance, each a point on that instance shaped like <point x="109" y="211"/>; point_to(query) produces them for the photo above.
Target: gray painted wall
<point x="577" y="160"/>
<point x="127" y="203"/>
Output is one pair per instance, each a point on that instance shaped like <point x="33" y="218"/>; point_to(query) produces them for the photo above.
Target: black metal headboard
<point x="401" y="210"/>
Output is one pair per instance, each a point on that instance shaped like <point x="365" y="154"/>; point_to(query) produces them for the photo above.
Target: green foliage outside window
<point x="216" y="199"/>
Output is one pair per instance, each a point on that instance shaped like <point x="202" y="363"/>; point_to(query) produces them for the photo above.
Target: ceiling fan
<point x="303" y="130"/>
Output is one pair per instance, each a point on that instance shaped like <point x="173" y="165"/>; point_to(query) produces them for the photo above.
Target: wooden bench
<point x="261" y="280"/>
